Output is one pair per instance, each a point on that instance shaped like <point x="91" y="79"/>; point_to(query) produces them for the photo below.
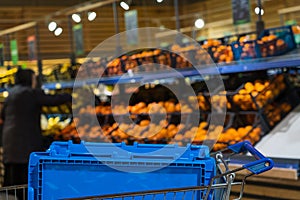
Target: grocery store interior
<point x="178" y="72"/>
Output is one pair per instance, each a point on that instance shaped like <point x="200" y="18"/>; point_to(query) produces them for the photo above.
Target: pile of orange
<point x="222" y="137"/>
<point x="274" y="112"/>
<point x="222" y="53"/>
<point x="146" y="130"/>
<point x="101" y="109"/>
<point x="296" y="29"/>
<point x="211" y="43"/>
<point x="220" y="101"/>
<point x="271" y="44"/>
<point x="268" y="38"/>
<point x="248" y="50"/>
<point x="160" y="107"/>
<point x="139" y="108"/>
<point x="258" y="94"/>
<point x="163" y="131"/>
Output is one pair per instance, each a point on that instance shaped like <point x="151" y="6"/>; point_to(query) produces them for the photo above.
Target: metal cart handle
<point x="262" y="163"/>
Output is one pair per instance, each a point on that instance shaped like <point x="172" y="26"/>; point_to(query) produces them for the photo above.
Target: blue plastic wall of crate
<point x="70" y="170"/>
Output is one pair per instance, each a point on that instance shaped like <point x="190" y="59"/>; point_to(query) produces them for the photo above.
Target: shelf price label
<point x="1" y="55"/>
<point x="31" y="42"/>
<point x="14" y="52"/>
<point x="131" y="23"/>
<point x="78" y="38"/>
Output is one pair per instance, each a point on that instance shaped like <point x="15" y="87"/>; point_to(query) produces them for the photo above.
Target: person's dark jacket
<point x="21" y="116"/>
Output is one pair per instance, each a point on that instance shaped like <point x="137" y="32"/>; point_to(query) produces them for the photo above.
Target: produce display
<point x="274" y="112"/>
<point x="256" y="95"/>
<point x="139" y="108"/>
<point x="162" y="132"/>
<point x="271" y="45"/>
<point x="261" y="96"/>
<point x="53" y="125"/>
<point x="250" y="97"/>
<point x="274" y="42"/>
<point x="224" y="137"/>
<point x="220" y="53"/>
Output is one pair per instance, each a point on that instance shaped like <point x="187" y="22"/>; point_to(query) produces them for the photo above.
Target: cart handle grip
<point x="262" y="163"/>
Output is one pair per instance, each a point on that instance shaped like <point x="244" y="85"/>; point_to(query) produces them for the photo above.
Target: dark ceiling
<point x="75" y="2"/>
<point x="40" y="2"/>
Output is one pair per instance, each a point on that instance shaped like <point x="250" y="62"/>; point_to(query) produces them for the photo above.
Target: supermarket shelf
<point x="291" y="59"/>
<point x="49" y="115"/>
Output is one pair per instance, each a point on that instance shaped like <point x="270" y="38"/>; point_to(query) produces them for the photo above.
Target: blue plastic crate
<point x="70" y="170"/>
<point x="285" y="34"/>
<point x="246" y="50"/>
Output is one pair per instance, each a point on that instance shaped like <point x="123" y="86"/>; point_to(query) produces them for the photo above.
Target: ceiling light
<point x="58" y="31"/>
<point x="258" y="10"/>
<point x="76" y="18"/>
<point x="124" y="5"/>
<point x="5" y="94"/>
<point x="199" y="23"/>
<point x="91" y="16"/>
<point x="52" y="26"/>
<point x="159" y="1"/>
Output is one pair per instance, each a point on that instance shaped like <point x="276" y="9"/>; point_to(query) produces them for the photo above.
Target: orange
<point x="188" y="134"/>
<point x="171" y="134"/>
<point x="200" y="138"/>
<point x="249" y="87"/>
<point x="228" y="105"/>
<point x="141" y="105"/>
<point x="272" y="37"/>
<point x="248" y="128"/>
<point x="259" y="87"/>
<point x="243" y="91"/>
<point x="178" y="107"/>
<point x="236" y="98"/>
<point x="254" y="93"/>
<point x="144" y="122"/>
<point x="180" y="126"/>
<point x="171" y="127"/>
<point x="201" y="132"/>
<point x="170" y="107"/>
<point x="268" y="94"/>
<point x="242" y="131"/>
<point x="178" y="137"/>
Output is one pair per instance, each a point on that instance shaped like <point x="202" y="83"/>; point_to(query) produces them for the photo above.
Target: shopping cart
<point x="13" y="192"/>
<point x="218" y="188"/>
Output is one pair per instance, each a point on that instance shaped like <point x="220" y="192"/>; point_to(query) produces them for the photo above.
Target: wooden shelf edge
<point x="279" y="173"/>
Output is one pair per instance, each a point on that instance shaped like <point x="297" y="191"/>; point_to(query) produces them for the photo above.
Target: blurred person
<point x="21" y="124"/>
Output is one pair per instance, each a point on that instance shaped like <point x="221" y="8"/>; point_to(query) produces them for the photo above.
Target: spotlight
<point x="159" y="1"/>
<point x="199" y="23"/>
<point x="58" y="31"/>
<point x="76" y="18"/>
<point x="5" y="94"/>
<point x="124" y="5"/>
<point x="91" y="16"/>
<point x="258" y="11"/>
<point x="52" y="26"/>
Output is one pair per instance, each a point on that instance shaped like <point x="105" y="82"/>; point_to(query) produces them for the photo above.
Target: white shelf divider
<point x="284" y="140"/>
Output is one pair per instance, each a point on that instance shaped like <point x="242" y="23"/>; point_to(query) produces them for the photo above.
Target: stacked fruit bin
<point x="252" y="110"/>
<point x="273" y="42"/>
